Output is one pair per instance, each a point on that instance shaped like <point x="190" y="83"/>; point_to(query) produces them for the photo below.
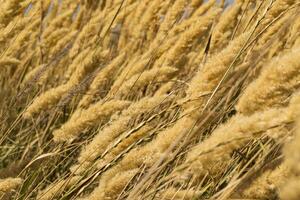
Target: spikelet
<point x="21" y="68"/>
<point x="277" y="8"/>
<point x="55" y="189"/>
<point x="88" y="118"/>
<point x="116" y="29"/>
<point x="211" y="73"/>
<point x="139" y="14"/>
<point x="62" y="43"/>
<point x="46" y="100"/>
<point x="23" y="40"/>
<point x="12" y="29"/>
<point x="9" y="184"/>
<point x="128" y="71"/>
<point x="50" y="11"/>
<point x="138" y="82"/>
<point x="272" y="88"/>
<point x="106" y="136"/>
<point x="185" y="41"/>
<point x="291" y="156"/>
<point x="165" y="89"/>
<point x="291" y="189"/>
<point x="224" y="29"/>
<point x="154" y="19"/>
<point x="113" y="189"/>
<point x="56" y="40"/>
<point x="101" y="80"/>
<point x="84" y="38"/>
<point x="67" y="4"/>
<point x="9" y="61"/>
<point x="149" y="19"/>
<point x="172" y="16"/>
<point x="230" y="136"/>
<point x="78" y="18"/>
<point x="54" y="37"/>
<point x="10" y="9"/>
<point x="117" y="185"/>
<point x="272" y="30"/>
<point x="294" y="35"/>
<point x="52" y="96"/>
<point x="177" y="194"/>
<point x="173" y="34"/>
<point x="233" y="135"/>
<point x="267" y="184"/>
<point x="196" y="3"/>
<point x="63" y="20"/>
<point x="78" y="60"/>
<point x="146" y="155"/>
<point x="205" y="7"/>
<point x="122" y="143"/>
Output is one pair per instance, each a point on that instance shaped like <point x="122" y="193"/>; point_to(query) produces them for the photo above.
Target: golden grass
<point x="153" y="99"/>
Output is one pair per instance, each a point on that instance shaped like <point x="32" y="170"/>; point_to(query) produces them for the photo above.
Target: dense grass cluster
<point x="149" y="99"/>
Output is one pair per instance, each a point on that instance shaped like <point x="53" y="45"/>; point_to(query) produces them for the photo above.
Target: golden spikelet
<point x="278" y="80"/>
<point x="6" y="61"/>
<point x="139" y="81"/>
<point x="277" y="8"/>
<point x="83" y="40"/>
<point x="10" y="9"/>
<point x="173" y="15"/>
<point x="230" y="136"/>
<point x="9" y="184"/>
<point x="56" y="189"/>
<point x="124" y="141"/>
<point x="62" y="43"/>
<point x="290" y="190"/>
<point x="45" y="101"/>
<point x="23" y="39"/>
<point x="224" y="29"/>
<point x="12" y="29"/>
<point x="52" y="96"/>
<point x="102" y="79"/>
<point x="63" y="20"/>
<point x="113" y="189"/>
<point x="148" y="19"/>
<point x="188" y="37"/>
<point x="106" y="136"/>
<point x="177" y="194"/>
<point x="145" y="155"/>
<point x="86" y="119"/>
<point x="267" y="185"/>
<point x="152" y="99"/>
<point x="208" y="77"/>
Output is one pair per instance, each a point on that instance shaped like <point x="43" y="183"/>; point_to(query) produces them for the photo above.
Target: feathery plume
<point x="267" y="185"/>
<point x="138" y="82"/>
<point x="102" y="79"/>
<point x="206" y="79"/>
<point x="88" y="118"/>
<point x="9" y="184"/>
<point x="224" y="29"/>
<point x="230" y="136"/>
<point x="55" y="189"/>
<point x="278" y="80"/>
<point x="106" y="136"/>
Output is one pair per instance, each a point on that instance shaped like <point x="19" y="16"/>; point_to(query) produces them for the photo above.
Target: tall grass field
<point x="149" y="99"/>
